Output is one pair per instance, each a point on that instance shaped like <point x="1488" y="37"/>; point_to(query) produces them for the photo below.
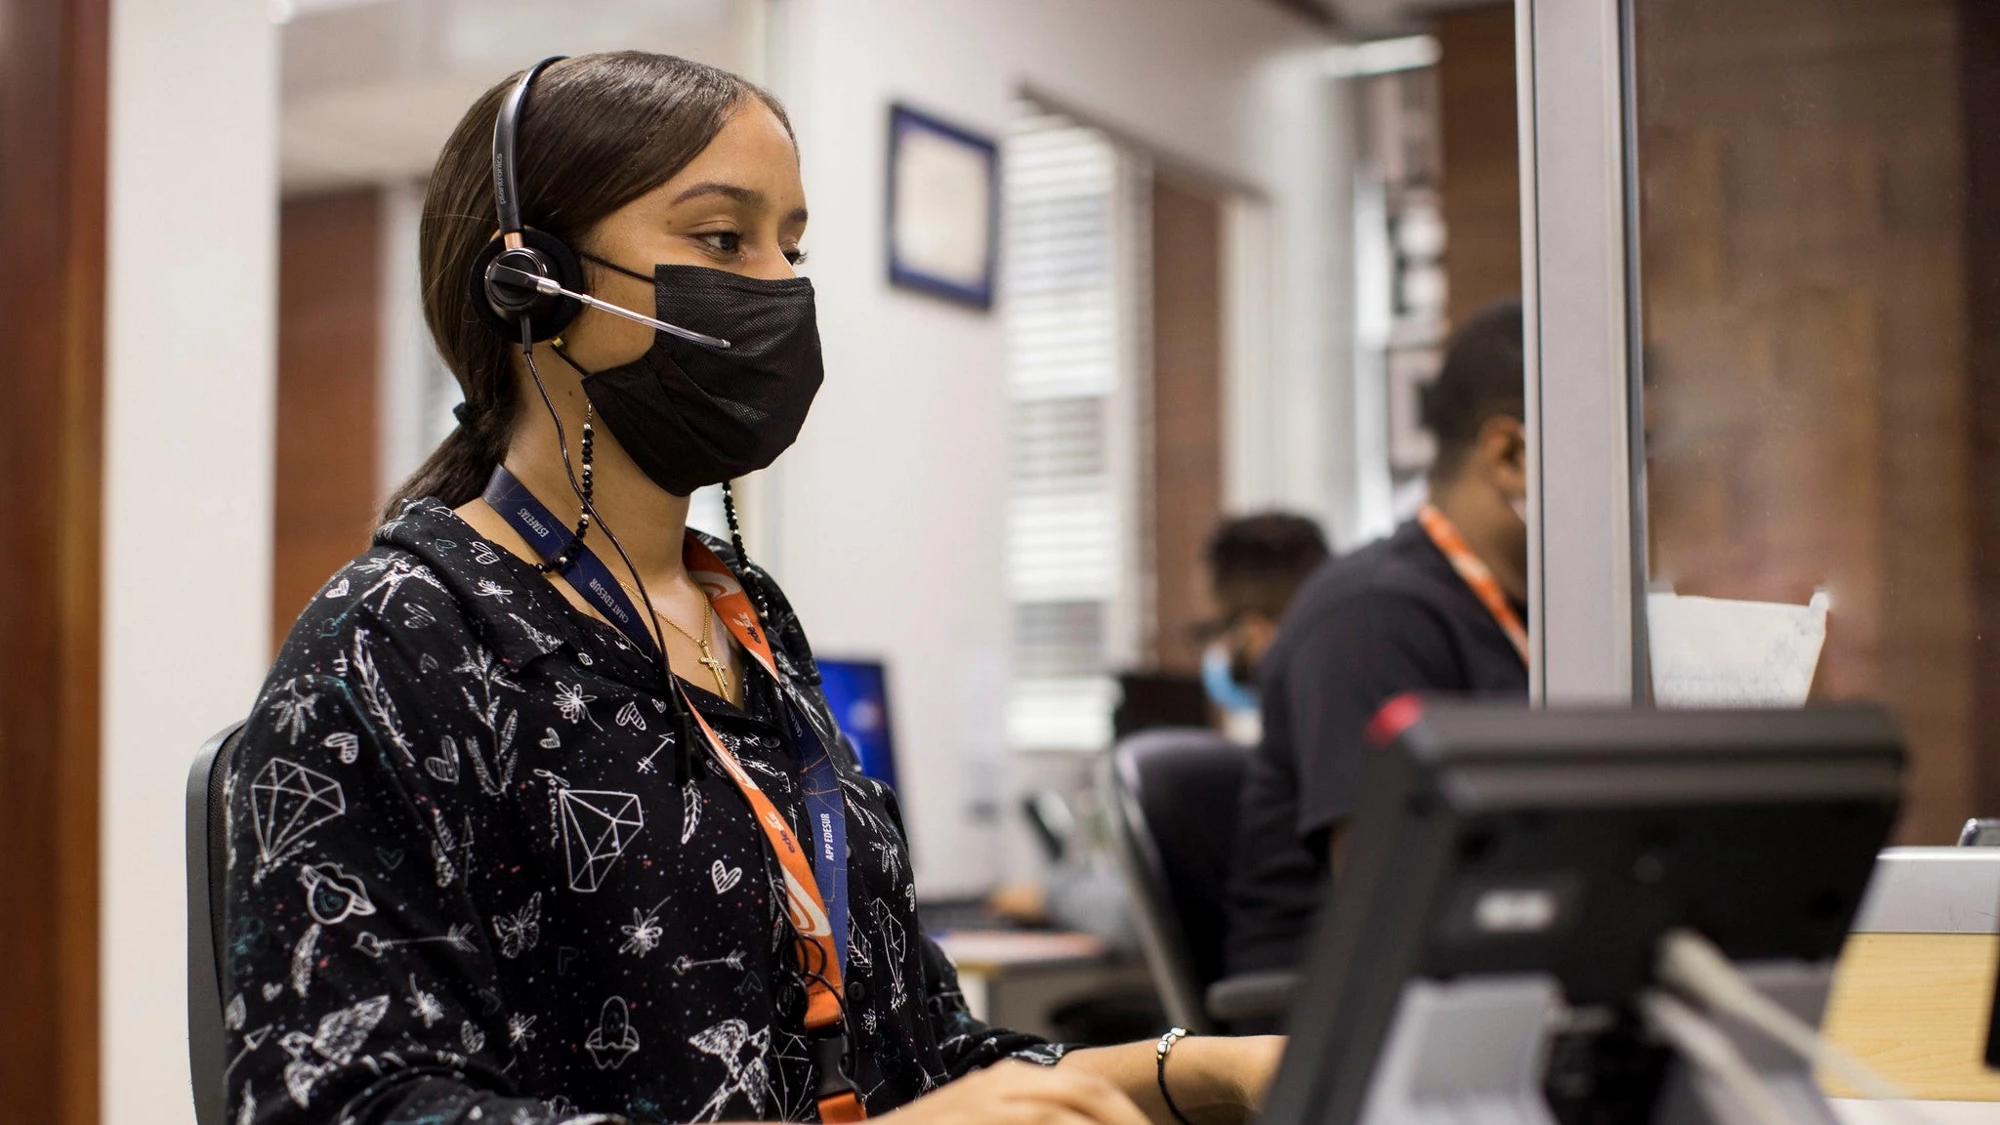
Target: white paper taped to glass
<point x="1713" y="652"/>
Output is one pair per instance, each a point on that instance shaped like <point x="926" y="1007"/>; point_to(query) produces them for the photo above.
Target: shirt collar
<point x="514" y="609"/>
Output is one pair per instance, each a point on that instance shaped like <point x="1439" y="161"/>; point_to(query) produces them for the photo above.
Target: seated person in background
<point x="1255" y="563"/>
<point x="1436" y="607"/>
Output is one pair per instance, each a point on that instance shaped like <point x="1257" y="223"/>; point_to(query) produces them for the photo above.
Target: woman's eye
<point x="723" y="241"/>
<point x="796" y="256"/>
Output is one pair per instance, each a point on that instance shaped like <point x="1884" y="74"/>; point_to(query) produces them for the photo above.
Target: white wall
<point x="892" y="505"/>
<point x="187" y="507"/>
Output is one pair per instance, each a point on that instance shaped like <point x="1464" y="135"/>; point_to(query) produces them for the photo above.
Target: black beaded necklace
<point x="562" y="560"/>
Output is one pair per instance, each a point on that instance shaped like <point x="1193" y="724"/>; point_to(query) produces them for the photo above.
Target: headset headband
<point x="506" y="189"/>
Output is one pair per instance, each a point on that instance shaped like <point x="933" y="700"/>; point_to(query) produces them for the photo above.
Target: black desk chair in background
<point x="1172" y="795"/>
<point x="207" y="861"/>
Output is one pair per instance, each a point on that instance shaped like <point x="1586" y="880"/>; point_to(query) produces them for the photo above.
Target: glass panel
<point x="1810" y="178"/>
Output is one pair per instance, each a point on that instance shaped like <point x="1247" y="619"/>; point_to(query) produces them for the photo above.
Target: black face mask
<point x="692" y="415"/>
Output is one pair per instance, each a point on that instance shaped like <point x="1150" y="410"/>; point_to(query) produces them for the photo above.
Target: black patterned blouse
<point x="473" y="876"/>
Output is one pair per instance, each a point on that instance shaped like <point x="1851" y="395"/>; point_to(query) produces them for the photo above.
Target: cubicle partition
<point x="1762" y="283"/>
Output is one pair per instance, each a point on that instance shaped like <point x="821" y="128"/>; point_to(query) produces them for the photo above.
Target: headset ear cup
<point x="552" y="257"/>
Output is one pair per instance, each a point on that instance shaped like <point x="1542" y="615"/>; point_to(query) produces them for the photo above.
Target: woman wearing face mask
<point x="540" y="816"/>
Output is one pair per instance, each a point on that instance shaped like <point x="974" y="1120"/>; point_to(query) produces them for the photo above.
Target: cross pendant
<point x="714" y="667"/>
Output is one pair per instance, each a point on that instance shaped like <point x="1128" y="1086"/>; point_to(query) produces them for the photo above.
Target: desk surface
<point x="993" y="952"/>
<point x="1914" y="1007"/>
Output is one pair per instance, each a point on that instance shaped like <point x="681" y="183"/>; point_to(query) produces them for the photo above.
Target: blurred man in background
<point x="1255" y="564"/>
<point x="1437" y="607"/>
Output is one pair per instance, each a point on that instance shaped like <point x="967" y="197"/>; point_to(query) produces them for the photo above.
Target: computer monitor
<point x="858" y="693"/>
<point x="1498" y="844"/>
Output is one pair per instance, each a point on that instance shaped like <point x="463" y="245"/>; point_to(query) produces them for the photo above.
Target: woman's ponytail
<point x="456" y="472"/>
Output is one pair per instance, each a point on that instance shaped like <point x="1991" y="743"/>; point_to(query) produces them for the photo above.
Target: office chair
<point x="1171" y="796"/>
<point x="207" y="851"/>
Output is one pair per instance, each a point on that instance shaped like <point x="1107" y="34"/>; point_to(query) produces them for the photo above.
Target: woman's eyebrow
<point x="742" y="195"/>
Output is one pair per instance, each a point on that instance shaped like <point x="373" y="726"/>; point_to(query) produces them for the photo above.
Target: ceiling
<point x="371" y="88"/>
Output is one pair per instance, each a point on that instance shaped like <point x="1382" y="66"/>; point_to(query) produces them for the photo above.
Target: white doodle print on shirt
<point x="302" y="960"/>
<point x="399" y="571"/>
<point x="487" y="588"/>
<point x="614" y="1039"/>
<point x="629" y="716"/>
<point x="684" y="964"/>
<point x="288" y="801"/>
<point x="458" y="937"/>
<point x="332" y="895"/>
<point x="574" y="704"/>
<point x="451" y="851"/>
<point x="444" y="766"/>
<point x="546" y="642"/>
<point x="745" y="1063"/>
<point x="417" y="615"/>
<point x="376" y="700"/>
<point x="596" y="826"/>
<point x="346" y="744"/>
<point x="643" y="935"/>
<point x="520" y="1029"/>
<point x="291" y="711"/>
<point x="724" y="877"/>
<point x="690" y="807"/>
<point x="489" y="676"/>
<point x="423" y="1005"/>
<point x="795" y="1097"/>
<point x="335" y="1042"/>
<point x="520" y="931"/>
<point x="891" y="929"/>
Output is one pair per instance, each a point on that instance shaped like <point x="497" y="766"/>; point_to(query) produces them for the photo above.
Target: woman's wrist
<point x="1201" y="1080"/>
<point x="1221" y="1079"/>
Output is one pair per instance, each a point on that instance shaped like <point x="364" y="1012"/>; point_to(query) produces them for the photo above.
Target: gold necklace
<point x="708" y="658"/>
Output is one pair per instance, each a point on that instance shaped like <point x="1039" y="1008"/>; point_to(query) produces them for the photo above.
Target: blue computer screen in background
<point x="858" y="692"/>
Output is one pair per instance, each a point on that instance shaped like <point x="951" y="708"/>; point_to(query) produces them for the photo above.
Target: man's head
<point x="1475" y="409"/>
<point x="1475" y="406"/>
<point x="1256" y="564"/>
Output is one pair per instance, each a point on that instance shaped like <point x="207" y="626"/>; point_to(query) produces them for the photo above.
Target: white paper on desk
<point x="1710" y="652"/>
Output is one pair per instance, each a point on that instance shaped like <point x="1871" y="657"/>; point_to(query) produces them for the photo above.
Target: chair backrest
<point x="1172" y="795"/>
<point x="207" y="860"/>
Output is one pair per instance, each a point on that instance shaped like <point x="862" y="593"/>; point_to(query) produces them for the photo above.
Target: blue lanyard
<point x="826" y="808"/>
<point x="586" y="573"/>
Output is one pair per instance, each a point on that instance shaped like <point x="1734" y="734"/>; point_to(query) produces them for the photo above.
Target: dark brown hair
<point x="1258" y="562"/>
<point x="600" y="131"/>
<point x="1481" y="379"/>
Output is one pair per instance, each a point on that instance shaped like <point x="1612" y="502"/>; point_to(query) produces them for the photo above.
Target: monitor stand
<point x="1507" y="1050"/>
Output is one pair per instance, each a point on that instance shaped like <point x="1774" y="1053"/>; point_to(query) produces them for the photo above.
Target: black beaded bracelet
<point x="1166" y="1045"/>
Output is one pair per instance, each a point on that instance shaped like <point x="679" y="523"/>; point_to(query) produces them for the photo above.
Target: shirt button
<point x="857" y="994"/>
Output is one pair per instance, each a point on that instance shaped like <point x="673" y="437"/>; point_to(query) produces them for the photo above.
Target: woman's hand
<point x="1018" y="1093"/>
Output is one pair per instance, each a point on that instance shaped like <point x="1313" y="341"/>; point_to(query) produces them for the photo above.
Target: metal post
<point x="1584" y="576"/>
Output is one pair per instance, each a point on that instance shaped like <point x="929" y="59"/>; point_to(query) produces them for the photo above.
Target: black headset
<point x="507" y="301"/>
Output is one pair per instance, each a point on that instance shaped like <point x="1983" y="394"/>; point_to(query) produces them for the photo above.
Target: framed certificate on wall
<point x="943" y="217"/>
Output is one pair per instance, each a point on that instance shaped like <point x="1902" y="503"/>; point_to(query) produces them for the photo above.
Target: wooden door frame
<point x="53" y="66"/>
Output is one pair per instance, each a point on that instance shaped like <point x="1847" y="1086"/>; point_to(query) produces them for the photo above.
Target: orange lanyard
<point x="1444" y="534"/>
<point x="818" y="955"/>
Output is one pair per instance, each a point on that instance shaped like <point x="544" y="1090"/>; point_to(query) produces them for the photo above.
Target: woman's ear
<point x="1502" y="453"/>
